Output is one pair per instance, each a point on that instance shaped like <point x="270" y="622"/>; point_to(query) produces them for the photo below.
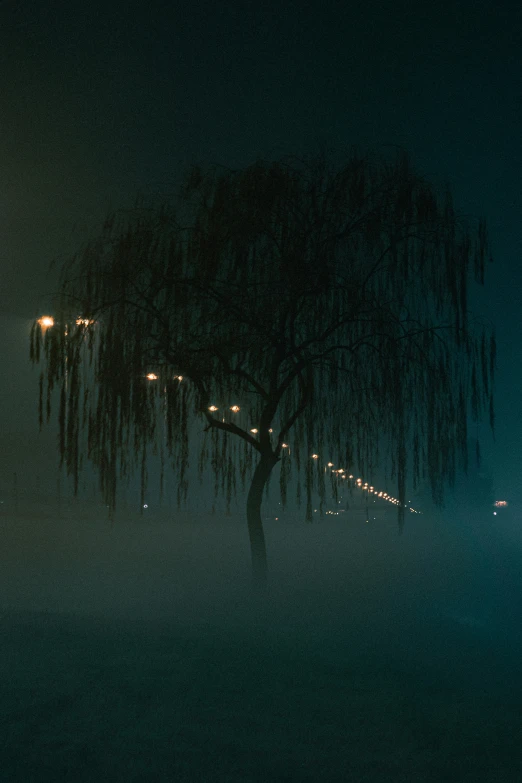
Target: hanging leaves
<point x="329" y="304"/>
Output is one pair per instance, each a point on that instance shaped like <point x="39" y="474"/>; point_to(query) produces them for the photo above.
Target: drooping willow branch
<point x="330" y="301"/>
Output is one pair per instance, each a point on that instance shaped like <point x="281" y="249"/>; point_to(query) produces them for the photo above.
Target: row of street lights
<point x="341" y="473"/>
<point x="47" y="321"/>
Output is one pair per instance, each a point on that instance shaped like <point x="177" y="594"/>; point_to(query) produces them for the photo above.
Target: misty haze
<point x="136" y="645"/>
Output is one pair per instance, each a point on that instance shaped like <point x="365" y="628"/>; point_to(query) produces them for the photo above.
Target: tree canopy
<point x="329" y="302"/>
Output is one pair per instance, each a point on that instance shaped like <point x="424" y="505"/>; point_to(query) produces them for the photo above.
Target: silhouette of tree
<point x="329" y="302"/>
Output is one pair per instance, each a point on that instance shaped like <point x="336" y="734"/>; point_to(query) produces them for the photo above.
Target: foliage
<point x="330" y="303"/>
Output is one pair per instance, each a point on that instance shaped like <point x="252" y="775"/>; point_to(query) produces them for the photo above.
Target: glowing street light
<point x="254" y="430"/>
<point x="213" y="408"/>
<point x="151" y="376"/>
<point x="46" y="321"/>
<point x="315" y="456"/>
<point x="235" y="408"/>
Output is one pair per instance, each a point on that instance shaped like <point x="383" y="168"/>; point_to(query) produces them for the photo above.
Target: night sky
<point x="101" y="100"/>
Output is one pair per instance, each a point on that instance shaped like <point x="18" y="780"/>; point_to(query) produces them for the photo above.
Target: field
<point x="136" y="652"/>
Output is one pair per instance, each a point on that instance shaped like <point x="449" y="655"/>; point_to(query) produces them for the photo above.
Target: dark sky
<point x="99" y="100"/>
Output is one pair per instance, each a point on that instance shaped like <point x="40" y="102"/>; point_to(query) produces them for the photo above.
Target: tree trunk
<point x="255" y="523"/>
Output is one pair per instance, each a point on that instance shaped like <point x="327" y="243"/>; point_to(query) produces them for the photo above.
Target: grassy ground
<point x="368" y="674"/>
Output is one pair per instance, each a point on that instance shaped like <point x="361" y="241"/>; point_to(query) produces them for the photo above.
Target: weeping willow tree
<point x="328" y="303"/>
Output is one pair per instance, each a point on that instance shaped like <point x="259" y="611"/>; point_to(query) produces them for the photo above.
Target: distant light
<point x="254" y="430"/>
<point x="315" y="456"/>
<point x="145" y="505"/>
<point x="330" y="464"/>
<point x="213" y="408"/>
<point x="284" y="445"/>
<point x="235" y="408"/>
<point x="151" y="376"/>
<point x="84" y="322"/>
<point x="46" y="321"/>
<point x="494" y="513"/>
<point x="178" y="378"/>
<point x="501" y="503"/>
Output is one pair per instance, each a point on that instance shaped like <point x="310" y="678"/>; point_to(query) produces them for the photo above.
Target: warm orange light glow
<point x="235" y="408"/>
<point x="46" y="321"/>
<point x="213" y="408"/>
<point x="330" y="464"/>
<point x="83" y="322"/>
<point x="178" y="378"/>
<point x="284" y="445"/>
<point x="501" y="503"/>
<point x="254" y="431"/>
<point x="315" y="456"/>
<point x="151" y="376"/>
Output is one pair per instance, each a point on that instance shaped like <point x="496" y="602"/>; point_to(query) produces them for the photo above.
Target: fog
<point x="158" y="566"/>
<point x="374" y="655"/>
